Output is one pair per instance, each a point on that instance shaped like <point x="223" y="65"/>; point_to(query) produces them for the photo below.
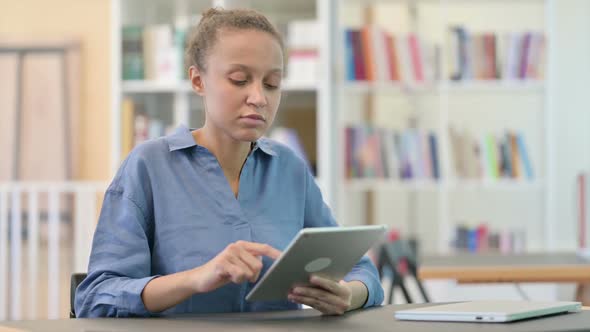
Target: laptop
<point x="487" y="311"/>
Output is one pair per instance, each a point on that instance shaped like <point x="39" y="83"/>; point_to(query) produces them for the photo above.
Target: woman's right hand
<point x="239" y="262"/>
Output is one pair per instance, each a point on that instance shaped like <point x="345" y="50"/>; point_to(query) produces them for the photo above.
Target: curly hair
<point x="204" y="35"/>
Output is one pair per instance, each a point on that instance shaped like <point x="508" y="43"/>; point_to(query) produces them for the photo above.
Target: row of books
<point x="373" y="54"/>
<point x="138" y="126"/>
<point x="489" y="56"/>
<point x="154" y="52"/>
<point x="302" y="43"/>
<point x="373" y="152"/>
<point x="490" y="156"/>
<point x="480" y="239"/>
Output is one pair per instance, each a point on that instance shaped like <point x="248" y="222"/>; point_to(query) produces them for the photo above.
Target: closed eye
<point x="239" y="82"/>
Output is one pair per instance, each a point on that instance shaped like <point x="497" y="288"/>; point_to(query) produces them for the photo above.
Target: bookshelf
<point x="141" y="86"/>
<point x="422" y="206"/>
<point x="433" y="186"/>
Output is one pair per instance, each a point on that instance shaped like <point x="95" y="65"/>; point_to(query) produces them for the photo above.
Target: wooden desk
<point x="375" y="319"/>
<point x="496" y="268"/>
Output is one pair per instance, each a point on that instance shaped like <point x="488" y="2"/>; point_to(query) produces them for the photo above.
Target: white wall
<point x="570" y="101"/>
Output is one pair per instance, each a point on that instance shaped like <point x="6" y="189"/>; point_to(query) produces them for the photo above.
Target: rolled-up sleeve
<point x="120" y="261"/>
<point x="318" y="214"/>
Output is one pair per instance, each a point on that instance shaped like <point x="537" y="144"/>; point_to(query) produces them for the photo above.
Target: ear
<point x="196" y="79"/>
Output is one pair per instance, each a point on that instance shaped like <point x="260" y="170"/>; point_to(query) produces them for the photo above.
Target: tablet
<point x="330" y="252"/>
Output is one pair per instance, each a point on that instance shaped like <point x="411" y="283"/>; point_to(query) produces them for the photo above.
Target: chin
<point x="248" y="135"/>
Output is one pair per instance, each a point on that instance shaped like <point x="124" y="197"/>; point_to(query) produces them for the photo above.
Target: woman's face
<point x="241" y="83"/>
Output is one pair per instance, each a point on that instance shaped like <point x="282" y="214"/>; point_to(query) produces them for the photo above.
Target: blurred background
<point x="460" y="124"/>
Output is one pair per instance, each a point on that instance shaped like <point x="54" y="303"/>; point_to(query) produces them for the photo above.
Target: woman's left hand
<point x="328" y="296"/>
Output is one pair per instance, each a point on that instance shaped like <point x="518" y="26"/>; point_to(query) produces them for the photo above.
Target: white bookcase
<point x="429" y="209"/>
<point x="426" y="209"/>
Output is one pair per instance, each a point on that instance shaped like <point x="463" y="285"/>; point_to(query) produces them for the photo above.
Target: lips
<point x="254" y="117"/>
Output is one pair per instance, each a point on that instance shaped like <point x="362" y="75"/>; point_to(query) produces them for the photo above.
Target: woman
<point x="191" y="220"/>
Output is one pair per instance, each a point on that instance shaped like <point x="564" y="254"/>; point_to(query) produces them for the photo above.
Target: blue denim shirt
<point x="170" y="209"/>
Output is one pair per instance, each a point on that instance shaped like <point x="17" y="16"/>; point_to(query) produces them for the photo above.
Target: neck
<point x="230" y="153"/>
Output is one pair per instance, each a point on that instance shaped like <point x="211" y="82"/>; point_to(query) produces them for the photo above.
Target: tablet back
<point x="327" y="251"/>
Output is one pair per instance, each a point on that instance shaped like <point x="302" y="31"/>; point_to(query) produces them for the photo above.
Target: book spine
<point x="434" y="156"/>
<point x="526" y="162"/>
<point x="368" y="55"/>
<point x="132" y="49"/>
<point x="416" y="57"/>
<point x="359" y="61"/>
<point x="524" y="56"/>
<point x="349" y="55"/>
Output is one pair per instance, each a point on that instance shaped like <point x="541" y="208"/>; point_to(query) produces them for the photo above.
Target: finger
<point x="237" y="274"/>
<point x="239" y="269"/>
<point x="328" y="285"/>
<point x="254" y="263"/>
<point x="322" y="296"/>
<point x="323" y="307"/>
<point x="259" y="249"/>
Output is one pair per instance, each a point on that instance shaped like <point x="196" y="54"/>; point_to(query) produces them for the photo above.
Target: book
<point x="349" y="62"/>
<point x="416" y="57"/>
<point x="127" y="126"/>
<point x="160" y="53"/>
<point x="302" y="44"/>
<point x="374" y="152"/>
<point x="372" y="54"/>
<point x="492" y="56"/>
<point x="524" y="157"/>
<point x="434" y="155"/>
<point x="132" y="49"/>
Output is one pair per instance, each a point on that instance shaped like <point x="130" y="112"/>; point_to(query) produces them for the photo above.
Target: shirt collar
<point x="265" y="145"/>
<point x="182" y="138"/>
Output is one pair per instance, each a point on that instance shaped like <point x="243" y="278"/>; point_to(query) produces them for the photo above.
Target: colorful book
<point x="132" y="49"/>
<point x="349" y="55"/>
<point x="524" y="156"/>
<point x="433" y="144"/>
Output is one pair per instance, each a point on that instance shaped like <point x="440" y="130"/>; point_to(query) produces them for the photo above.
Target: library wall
<point x="89" y="21"/>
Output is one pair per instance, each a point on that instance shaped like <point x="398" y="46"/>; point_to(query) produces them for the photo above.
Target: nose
<point x="256" y="96"/>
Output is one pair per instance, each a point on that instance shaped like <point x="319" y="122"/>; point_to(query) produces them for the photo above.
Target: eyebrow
<point x="248" y="68"/>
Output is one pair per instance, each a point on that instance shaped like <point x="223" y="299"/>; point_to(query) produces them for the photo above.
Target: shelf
<point x="297" y="7"/>
<point x="431" y="185"/>
<point x="299" y="86"/>
<point x="389" y="184"/>
<point x="498" y="185"/>
<point x="447" y="86"/>
<point x="447" y="2"/>
<point x="493" y="86"/>
<point x="139" y="86"/>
